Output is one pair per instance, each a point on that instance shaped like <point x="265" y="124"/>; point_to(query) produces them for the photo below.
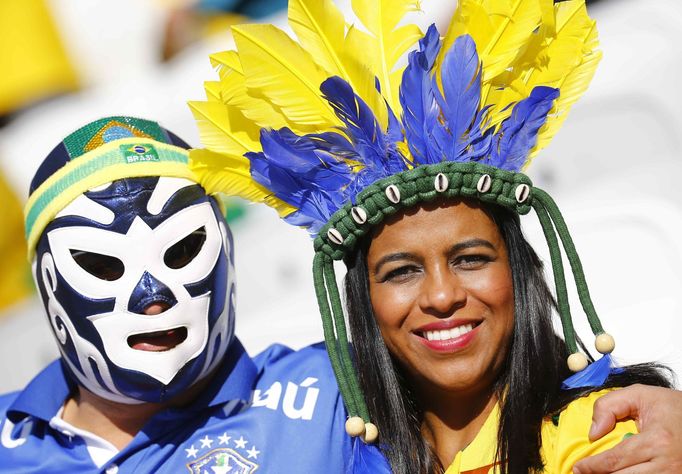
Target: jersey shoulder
<point x="278" y="361"/>
<point x="6" y="401"/>
<point x="565" y="438"/>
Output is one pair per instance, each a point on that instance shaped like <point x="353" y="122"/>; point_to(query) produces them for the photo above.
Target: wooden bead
<point x="577" y="362"/>
<point x="605" y="343"/>
<point x="355" y="426"/>
<point x="371" y="433"/>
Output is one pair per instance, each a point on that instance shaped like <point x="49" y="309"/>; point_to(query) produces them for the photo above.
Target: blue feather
<point x="518" y="134"/>
<point x="361" y="124"/>
<point x="302" y="174"/>
<point x="594" y="375"/>
<point x="420" y="111"/>
<point x="367" y="459"/>
<point x="459" y="101"/>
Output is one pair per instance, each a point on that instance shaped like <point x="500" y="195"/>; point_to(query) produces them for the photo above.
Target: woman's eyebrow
<point x="467" y="244"/>
<point x="392" y="257"/>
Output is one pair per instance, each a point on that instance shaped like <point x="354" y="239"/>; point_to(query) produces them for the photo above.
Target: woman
<point x="392" y="171"/>
<point x="459" y="298"/>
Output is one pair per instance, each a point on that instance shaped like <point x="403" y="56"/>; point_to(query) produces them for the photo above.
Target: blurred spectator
<point x="33" y="61"/>
<point x="190" y="23"/>
<point x="15" y="277"/>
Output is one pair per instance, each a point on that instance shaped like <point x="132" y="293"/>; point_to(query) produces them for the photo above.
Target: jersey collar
<point x="45" y="394"/>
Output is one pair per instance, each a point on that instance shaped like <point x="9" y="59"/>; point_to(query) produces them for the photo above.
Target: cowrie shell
<point x="484" y="183"/>
<point x="393" y="193"/>
<point x="441" y="182"/>
<point x="335" y="236"/>
<point x="522" y="192"/>
<point x="358" y="214"/>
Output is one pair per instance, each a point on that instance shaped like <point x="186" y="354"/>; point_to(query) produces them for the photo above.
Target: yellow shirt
<point x="563" y="444"/>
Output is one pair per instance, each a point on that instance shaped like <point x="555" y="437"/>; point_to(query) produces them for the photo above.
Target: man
<point x="133" y="263"/>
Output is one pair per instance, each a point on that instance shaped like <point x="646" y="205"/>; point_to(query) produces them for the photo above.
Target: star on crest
<point x="206" y="442"/>
<point x="253" y="453"/>
<point x="224" y="439"/>
<point x="240" y="443"/>
<point x="191" y="452"/>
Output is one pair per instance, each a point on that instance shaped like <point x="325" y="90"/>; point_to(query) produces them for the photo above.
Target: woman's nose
<point x="441" y="293"/>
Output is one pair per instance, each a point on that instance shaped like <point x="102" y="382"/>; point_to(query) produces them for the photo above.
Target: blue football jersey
<point x="279" y="412"/>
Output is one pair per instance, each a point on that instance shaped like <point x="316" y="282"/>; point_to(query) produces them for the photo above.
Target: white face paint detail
<point x="141" y="250"/>
<point x="163" y="191"/>
<point x="115" y="328"/>
<point x="83" y="206"/>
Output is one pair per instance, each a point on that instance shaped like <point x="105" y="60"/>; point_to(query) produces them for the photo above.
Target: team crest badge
<point x="222" y="461"/>
<point x="229" y="456"/>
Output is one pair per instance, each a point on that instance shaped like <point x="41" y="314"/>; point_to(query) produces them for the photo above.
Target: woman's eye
<point x="471" y="261"/>
<point x="400" y="274"/>
<point x="104" y="267"/>
<point x="184" y="251"/>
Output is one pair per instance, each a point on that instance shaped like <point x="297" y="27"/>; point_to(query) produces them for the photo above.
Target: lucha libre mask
<point x="136" y="276"/>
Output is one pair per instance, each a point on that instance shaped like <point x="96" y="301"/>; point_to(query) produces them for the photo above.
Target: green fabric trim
<point x="82" y="171"/>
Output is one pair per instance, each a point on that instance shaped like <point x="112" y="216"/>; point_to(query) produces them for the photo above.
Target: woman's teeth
<point x="445" y="334"/>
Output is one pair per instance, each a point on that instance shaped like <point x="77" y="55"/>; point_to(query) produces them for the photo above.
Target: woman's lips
<point x="158" y="341"/>
<point x="445" y="336"/>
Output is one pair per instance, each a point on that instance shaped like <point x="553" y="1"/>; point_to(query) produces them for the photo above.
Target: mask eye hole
<point x="184" y="251"/>
<point x="104" y="267"/>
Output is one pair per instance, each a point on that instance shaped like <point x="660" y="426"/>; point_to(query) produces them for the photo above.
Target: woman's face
<point x="441" y="290"/>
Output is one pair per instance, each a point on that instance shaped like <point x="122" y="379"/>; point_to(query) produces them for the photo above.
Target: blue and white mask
<point x="116" y="256"/>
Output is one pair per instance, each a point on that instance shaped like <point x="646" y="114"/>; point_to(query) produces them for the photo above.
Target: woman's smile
<point x="448" y="335"/>
<point x="442" y="294"/>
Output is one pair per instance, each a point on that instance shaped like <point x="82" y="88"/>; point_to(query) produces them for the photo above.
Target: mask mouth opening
<point x="158" y="341"/>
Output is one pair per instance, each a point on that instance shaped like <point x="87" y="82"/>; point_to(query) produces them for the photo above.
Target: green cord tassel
<point x="574" y="260"/>
<point x="559" y="277"/>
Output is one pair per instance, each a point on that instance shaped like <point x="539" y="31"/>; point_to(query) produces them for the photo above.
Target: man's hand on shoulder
<point x="657" y="449"/>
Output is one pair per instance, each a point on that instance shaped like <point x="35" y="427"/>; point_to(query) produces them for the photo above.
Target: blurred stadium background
<point x="614" y="169"/>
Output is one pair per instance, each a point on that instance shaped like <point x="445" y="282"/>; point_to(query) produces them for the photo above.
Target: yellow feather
<point x="280" y="70"/>
<point x="213" y="90"/>
<point x="320" y="28"/>
<point x="572" y="87"/>
<point x="230" y="174"/>
<point x="387" y="42"/>
<point x="218" y="131"/>
<point x="226" y="61"/>
<point x="236" y="96"/>
<point x="501" y="29"/>
<point x="561" y="54"/>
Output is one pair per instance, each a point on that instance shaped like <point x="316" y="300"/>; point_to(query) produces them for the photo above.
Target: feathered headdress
<point x="334" y="134"/>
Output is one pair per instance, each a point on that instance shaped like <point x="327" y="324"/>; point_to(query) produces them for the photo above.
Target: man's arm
<point x="657" y="449"/>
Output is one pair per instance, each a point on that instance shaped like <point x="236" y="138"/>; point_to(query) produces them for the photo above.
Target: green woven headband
<point x="350" y="224"/>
